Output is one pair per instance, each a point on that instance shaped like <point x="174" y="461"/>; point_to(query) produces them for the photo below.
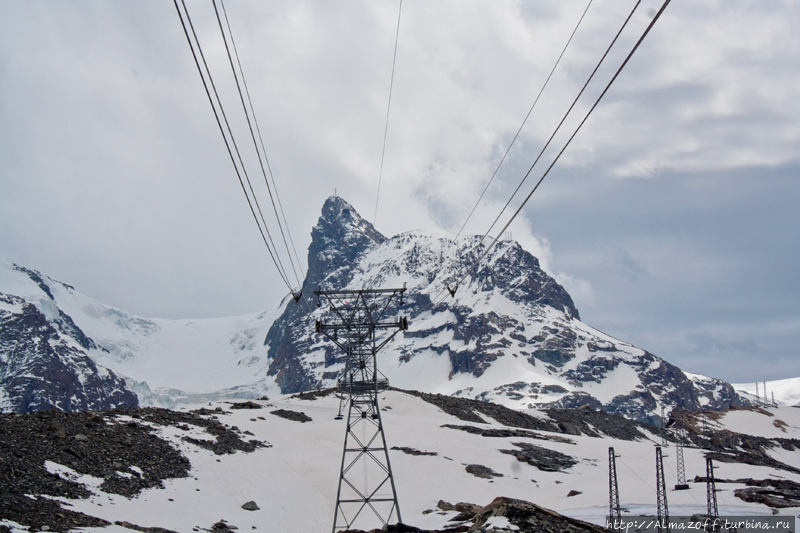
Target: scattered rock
<point x="127" y="455"/>
<point x="524" y="516"/>
<point x="250" y="506"/>
<point x="223" y="527"/>
<point x="573" y="493"/>
<point x="128" y="525"/>
<point x="530" y="518"/>
<point x="313" y="395"/>
<point x="482" y="471"/>
<point x="445" y="506"/>
<point x="412" y="451"/>
<point x="542" y="458"/>
<point x="775" y="493"/>
<point x="245" y="405"/>
<point x="505" y="432"/>
<point x="297" y="416"/>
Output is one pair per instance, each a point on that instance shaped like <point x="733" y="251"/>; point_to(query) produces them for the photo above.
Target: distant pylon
<point x="614" y="513"/>
<point x="663" y="427"/>
<point x="711" y="495"/>
<point x="355" y="317"/>
<point x="680" y="433"/>
<point x="661" y="494"/>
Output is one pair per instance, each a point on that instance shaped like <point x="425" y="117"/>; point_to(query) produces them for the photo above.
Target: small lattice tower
<point x="614" y="513"/>
<point x="711" y="495"/>
<point x="661" y="494"/>
<point x="353" y="321"/>
<point x="680" y="435"/>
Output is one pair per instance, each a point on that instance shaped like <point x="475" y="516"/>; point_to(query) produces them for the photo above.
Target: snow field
<point x="294" y="481"/>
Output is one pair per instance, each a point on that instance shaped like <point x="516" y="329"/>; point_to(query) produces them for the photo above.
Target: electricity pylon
<point x="353" y="322"/>
<point x="614" y="513"/>
<point x="680" y="433"/>
<point x="711" y="495"/>
<point x="661" y="494"/>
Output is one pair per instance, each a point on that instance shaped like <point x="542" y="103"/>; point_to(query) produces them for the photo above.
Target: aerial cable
<point x="619" y="70"/>
<point x="238" y="154"/>
<point x="261" y="140"/>
<point x="252" y="133"/>
<point x="525" y="120"/>
<point x="563" y="119"/>
<point x="453" y="290"/>
<point x="388" y="107"/>
<point x="219" y="124"/>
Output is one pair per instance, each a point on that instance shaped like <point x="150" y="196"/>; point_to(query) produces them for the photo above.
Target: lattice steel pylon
<point x="680" y="434"/>
<point x="711" y="495"/>
<point x="354" y="320"/>
<point x="661" y="494"/>
<point x="614" y="512"/>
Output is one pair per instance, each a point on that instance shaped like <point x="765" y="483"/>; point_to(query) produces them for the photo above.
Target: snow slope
<point x="294" y="481"/>
<point x="785" y="391"/>
<point x="510" y="334"/>
<point x="163" y="361"/>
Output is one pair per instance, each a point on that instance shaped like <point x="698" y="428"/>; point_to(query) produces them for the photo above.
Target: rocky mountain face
<point x="44" y="361"/>
<point x="510" y="335"/>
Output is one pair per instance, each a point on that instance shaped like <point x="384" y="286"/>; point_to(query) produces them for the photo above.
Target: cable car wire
<point x="261" y="140"/>
<point x="608" y="86"/>
<point x="278" y="266"/>
<point x="597" y="101"/>
<point x="563" y="119"/>
<point x="525" y="120"/>
<point x="388" y="108"/>
<point x="250" y="127"/>
<point x="476" y="247"/>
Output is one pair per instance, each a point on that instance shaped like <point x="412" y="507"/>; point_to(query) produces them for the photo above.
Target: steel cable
<point x="281" y="272"/>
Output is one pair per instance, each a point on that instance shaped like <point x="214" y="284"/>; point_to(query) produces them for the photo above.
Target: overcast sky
<point x="672" y="218"/>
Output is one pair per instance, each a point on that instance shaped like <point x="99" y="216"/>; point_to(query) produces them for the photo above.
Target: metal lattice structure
<point x="711" y="495"/>
<point x="661" y="494"/>
<point x="366" y="481"/>
<point x="614" y="513"/>
<point x="680" y="434"/>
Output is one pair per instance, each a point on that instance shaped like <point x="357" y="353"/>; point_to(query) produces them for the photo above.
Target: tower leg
<point x="366" y="484"/>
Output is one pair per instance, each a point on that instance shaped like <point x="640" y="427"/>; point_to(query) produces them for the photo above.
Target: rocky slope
<point x="511" y="334"/>
<point x="272" y="465"/>
<point x="44" y="361"/>
<point x="60" y="348"/>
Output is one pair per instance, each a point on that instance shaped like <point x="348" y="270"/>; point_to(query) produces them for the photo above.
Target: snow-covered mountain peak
<point x="511" y="334"/>
<point x="340" y="235"/>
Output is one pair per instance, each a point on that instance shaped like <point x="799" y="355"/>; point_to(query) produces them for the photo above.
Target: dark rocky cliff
<point x="507" y="308"/>
<point x="41" y="369"/>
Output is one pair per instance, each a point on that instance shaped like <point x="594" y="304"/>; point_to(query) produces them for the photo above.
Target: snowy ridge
<point x="164" y="362"/>
<point x="294" y="480"/>
<point x="511" y="335"/>
<point x="784" y="391"/>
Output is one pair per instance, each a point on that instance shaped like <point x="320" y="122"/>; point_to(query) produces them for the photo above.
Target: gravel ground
<point x="119" y="446"/>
